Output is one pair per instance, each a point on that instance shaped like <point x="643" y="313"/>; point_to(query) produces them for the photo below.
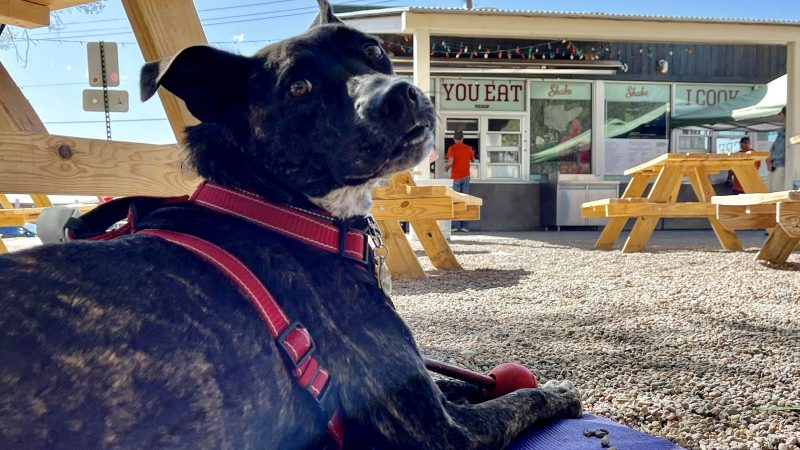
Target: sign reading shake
<point x="561" y="90"/>
<point x="460" y="94"/>
<point x="637" y="92"/>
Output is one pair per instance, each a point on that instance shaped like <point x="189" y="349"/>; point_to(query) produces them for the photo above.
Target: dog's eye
<point x="373" y="51"/>
<point x="300" y="87"/>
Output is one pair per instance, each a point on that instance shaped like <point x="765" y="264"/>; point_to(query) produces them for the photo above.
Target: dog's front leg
<point x="460" y="391"/>
<point x="495" y="423"/>
<point x="422" y="418"/>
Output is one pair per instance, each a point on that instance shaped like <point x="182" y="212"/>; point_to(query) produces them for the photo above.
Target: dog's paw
<point x="568" y="394"/>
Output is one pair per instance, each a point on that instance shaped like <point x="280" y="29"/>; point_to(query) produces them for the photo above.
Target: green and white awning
<point x="755" y="110"/>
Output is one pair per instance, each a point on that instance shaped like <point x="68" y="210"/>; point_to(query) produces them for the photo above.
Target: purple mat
<point x="567" y="434"/>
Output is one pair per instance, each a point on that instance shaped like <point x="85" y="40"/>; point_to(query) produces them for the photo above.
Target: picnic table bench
<point x="779" y="211"/>
<point x="669" y="170"/>
<point x="422" y="206"/>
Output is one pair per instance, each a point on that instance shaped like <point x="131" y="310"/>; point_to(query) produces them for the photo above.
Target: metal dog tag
<point x="380" y="250"/>
<point x="384" y="278"/>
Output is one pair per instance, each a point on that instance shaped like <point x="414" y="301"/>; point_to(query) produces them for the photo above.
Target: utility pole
<point x="467" y="4"/>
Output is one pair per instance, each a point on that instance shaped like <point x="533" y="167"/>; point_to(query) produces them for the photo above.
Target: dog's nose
<point x="400" y="100"/>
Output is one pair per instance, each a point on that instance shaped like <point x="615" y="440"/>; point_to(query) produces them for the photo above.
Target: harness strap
<point x="291" y="336"/>
<point x="313" y="228"/>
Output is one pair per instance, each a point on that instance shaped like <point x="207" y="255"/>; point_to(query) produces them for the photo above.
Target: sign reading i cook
<point x="481" y="95"/>
<point x="694" y="97"/>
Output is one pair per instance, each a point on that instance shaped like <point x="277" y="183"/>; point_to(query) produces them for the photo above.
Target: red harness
<point x="313" y="228"/>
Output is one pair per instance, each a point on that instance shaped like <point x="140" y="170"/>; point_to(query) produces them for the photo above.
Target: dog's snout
<point x="400" y="101"/>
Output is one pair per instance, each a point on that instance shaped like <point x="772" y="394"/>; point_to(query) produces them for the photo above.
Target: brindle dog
<point x="136" y="343"/>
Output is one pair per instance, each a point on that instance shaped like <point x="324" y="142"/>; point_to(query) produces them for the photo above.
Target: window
<point x="561" y="128"/>
<point x="504" y="147"/>
<point x="694" y="141"/>
<point x="636" y="110"/>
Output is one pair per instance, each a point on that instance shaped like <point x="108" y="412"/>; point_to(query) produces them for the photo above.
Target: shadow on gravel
<point x="422" y="254"/>
<point x="445" y="282"/>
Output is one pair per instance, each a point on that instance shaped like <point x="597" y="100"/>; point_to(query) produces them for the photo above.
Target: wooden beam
<point x="754" y="199"/>
<point x="472" y="212"/>
<point x="592" y="28"/>
<point x="17" y="114"/>
<point x="636" y="187"/>
<point x="435" y="245"/>
<point x="61" y="4"/>
<point x="788" y="213"/>
<point x="24" y="14"/>
<point x="779" y="244"/>
<point x="413" y="209"/>
<point x="664" y="210"/>
<point x="401" y="260"/>
<point x="38" y="162"/>
<point x="750" y="217"/>
<point x="162" y="29"/>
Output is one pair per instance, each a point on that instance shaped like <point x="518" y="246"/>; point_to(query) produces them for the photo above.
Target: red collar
<point x="315" y="228"/>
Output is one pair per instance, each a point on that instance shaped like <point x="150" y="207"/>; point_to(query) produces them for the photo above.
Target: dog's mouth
<point x="415" y="135"/>
<point x="405" y="155"/>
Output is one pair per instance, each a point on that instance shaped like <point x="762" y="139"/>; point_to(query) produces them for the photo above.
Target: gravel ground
<point x="684" y="341"/>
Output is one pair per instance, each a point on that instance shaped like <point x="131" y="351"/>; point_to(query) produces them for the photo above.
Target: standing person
<point x="459" y="155"/>
<point x="736" y="186"/>
<point x="776" y="163"/>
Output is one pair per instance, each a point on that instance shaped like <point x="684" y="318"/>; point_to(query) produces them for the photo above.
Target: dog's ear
<point x="212" y="83"/>
<point x="325" y="14"/>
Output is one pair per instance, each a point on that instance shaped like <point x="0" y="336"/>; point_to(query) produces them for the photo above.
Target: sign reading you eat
<point x="481" y="95"/>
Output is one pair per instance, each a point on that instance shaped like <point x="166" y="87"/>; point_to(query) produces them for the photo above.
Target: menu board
<point x="622" y="154"/>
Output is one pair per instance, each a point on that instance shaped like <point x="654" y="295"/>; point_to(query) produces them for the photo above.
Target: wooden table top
<point x="715" y="161"/>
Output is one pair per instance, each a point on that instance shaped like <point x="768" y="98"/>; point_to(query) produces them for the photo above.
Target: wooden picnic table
<point x="669" y="170"/>
<point x="422" y="207"/>
<point x="776" y="211"/>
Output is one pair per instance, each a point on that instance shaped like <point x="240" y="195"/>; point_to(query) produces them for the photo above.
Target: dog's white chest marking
<point x="347" y="201"/>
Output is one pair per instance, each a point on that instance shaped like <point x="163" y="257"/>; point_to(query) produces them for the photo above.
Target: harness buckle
<point x="291" y="341"/>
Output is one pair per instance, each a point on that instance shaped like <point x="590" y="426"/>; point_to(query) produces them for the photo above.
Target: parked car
<point x="27" y="230"/>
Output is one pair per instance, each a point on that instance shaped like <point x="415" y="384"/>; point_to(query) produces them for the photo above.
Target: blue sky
<point x="51" y="67"/>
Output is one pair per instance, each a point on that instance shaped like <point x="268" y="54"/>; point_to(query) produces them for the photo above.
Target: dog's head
<point x="318" y="116"/>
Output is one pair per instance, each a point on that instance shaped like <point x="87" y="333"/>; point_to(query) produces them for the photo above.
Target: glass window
<point x="694" y="141"/>
<point x="636" y="110"/>
<point x="503" y="147"/>
<point x="462" y="124"/>
<point x="561" y="128"/>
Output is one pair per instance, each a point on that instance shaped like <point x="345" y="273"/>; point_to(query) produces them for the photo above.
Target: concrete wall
<point x="507" y="206"/>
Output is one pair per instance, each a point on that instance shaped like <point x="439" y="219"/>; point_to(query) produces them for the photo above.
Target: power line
<point x="266" y="15"/>
<point x="72" y="122"/>
<point x="51" y="84"/>
<point x="119" y="19"/>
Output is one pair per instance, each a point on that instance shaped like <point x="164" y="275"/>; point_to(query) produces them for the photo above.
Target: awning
<point x="756" y="110"/>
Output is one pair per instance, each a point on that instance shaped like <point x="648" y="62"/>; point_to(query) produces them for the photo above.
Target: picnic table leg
<point x="402" y="261"/>
<point x="665" y="190"/>
<point x="614" y="225"/>
<point x="749" y="179"/>
<point x="704" y="191"/>
<point x="780" y="243"/>
<point x="435" y="245"/>
<point x="4" y="203"/>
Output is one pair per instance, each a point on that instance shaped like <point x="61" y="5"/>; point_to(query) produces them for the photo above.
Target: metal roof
<point x="370" y="10"/>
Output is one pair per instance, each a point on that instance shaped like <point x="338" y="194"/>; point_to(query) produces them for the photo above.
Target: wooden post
<point x="17" y="114"/>
<point x="614" y="225"/>
<point x="704" y="191"/>
<point x="163" y="29"/>
<point x="665" y="190"/>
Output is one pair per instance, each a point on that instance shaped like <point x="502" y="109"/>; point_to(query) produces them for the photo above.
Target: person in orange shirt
<point x="459" y="155"/>
<point x="736" y="186"/>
